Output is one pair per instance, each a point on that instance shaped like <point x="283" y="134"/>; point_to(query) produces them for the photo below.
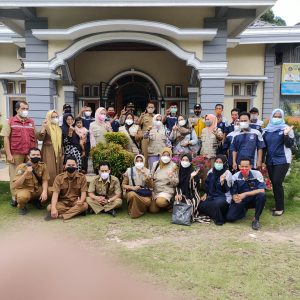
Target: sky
<point x="289" y="10"/>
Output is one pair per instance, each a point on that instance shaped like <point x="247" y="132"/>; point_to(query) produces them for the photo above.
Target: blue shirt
<point x="86" y="123"/>
<point x="227" y="146"/>
<point x="257" y="125"/>
<point x="278" y="147"/>
<point x="170" y="122"/>
<point x="246" y="144"/>
<point x="255" y="181"/>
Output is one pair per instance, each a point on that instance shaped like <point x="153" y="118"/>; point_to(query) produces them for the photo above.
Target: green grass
<point x="200" y="261"/>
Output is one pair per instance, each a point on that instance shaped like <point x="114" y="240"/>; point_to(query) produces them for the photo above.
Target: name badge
<point x="252" y="137"/>
<point x="280" y="132"/>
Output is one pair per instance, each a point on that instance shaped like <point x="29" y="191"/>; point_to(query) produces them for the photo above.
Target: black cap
<point x="197" y="106"/>
<point x="66" y="106"/>
<point x="130" y="104"/>
<point x="254" y="110"/>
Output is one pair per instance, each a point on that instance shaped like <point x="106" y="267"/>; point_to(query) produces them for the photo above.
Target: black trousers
<point x="277" y="174"/>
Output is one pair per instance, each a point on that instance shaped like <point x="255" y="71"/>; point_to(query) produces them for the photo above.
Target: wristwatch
<point x="108" y="201"/>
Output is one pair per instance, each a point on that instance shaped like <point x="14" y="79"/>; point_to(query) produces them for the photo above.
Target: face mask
<point x="218" y="166"/>
<point x="245" y="172"/>
<point x="71" y="170"/>
<point x="150" y="110"/>
<point x="35" y="160"/>
<point x="111" y="114"/>
<point x="87" y="113"/>
<point x="158" y="123"/>
<point x="68" y="111"/>
<point x="104" y="175"/>
<point x="102" y="118"/>
<point x="236" y="127"/>
<point x="185" y="164"/>
<point x="244" y="125"/>
<point x="55" y="120"/>
<point x="181" y="122"/>
<point x="173" y="110"/>
<point x="165" y="159"/>
<point x="197" y="113"/>
<point x="276" y="121"/>
<point x="253" y="117"/>
<point x="129" y="122"/>
<point x="139" y="165"/>
<point x="24" y="113"/>
<point x="207" y="123"/>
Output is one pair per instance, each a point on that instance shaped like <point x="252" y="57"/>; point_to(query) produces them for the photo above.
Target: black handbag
<point x="143" y="191"/>
<point x="182" y="213"/>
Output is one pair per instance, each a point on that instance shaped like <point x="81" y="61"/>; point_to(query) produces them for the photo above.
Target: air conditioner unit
<point x="21" y="53"/>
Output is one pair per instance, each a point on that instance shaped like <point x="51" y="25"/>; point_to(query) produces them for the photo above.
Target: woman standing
<point x="131" y="130"/>
<point x="136" y="178"/>
<point x="184" y="137"/>
<point x="279" y="138"/>
<point x="215" y="202"/>
<point x="99" y="127"/>
<point x="71" y="140"/>
<point x="165" y="176"/>
<point x="51" y="151"/>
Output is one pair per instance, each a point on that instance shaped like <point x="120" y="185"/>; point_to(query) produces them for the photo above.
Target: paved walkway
<point x="4" y="175"/>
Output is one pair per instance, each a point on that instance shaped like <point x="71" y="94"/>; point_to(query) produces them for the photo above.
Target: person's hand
<point x="236" y="198"/>
<point x="168" y="111"/>
<point x="174" y="128"/>
<point x="45" y="123"/>
<point x="115" y="117"/>
<point x="203" y="198"/>
<point x="83" y="154"/>
<point x="234" y="166"/>
<point x="79" y="201"/>
<point x="137" y="187"/>
<point x="44" y="196"/>
<point x="142" y="114"/>
<point x="263" y="166"/>
<point x="242" y="196"/>
<point x="258" y="165"/>
<point x="178" y="197"/>
<point x="28" y="169"/>
<point x="193" y="174"/>
<point x="222" y="178"/>
<point x="123" y="111"/>
<point x="288" y="129"/>
<point x="10" y="159"/>
<point x="54" y="213"/>
<point x="83" y="109"/>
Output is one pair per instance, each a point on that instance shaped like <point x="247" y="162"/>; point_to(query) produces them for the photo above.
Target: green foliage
<point x="287" y="109"/>
<point x="118" y="158"/>
<point x="1" y="139"/>
<point x="271" y="18"/>
<point x="292" y="182"/>
<point x="118" y="138"/>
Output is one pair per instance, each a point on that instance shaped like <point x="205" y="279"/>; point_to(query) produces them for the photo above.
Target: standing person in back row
<point x="197" y="121"/>
<point x="19" y="137"/>
<point x="255" y="123"/>
<point x="171" y="116"/>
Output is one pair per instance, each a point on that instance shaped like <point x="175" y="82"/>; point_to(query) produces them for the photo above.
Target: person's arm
<point x="234" y="156"/>
<point x="166" y="116"/>
<point x="92" y="137"/>
<point x="141" y="119"/>
<point x="259" y="158"/>
<point x="289" y="137"/>
<point x="9" y="157"/>
<point x="44" y="195"/>
<point x="80" y="113"/>
<point x="194" y="140"/>
<point x="251" y="193"/>
<point x="54" y="212"/>
<point x="125" y="184"/>
<point x="18" y="182"/>
<point x="117" y="191"/>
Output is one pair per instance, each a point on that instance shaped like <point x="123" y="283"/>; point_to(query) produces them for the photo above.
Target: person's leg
<point x="95" y="205"/>
<point x="260" y="201"/>
<point x="221" y="209"/>
<point x="236" y="211"/>
<point x="137" y="206"/>
<point x="162" y="202"/>
<point x="18" y="159"/>
<point x="74" y="211"/>
<point x="113" y="205"/>
<point x="22" y="197"/>
<point x="153" y="208"/>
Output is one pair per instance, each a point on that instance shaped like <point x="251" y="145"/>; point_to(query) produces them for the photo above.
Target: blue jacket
<point x="227" y="146"/>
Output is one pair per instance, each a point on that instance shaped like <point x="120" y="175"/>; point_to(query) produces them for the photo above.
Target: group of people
<point x="232" y="183"/>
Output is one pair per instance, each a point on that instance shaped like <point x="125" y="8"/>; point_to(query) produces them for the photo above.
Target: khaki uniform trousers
<point x="97" y="207"/>
<point x="23" y="196"/>
<point x="137" y="205"/>
<point x="68" y="209"/>
<point x="18" y="159"/>
<point x="159" y="203"/>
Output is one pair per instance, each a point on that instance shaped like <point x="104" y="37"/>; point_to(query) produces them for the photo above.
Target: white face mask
<point x="129" y="122"/>
<point x="244" y="125"/>
<point x="158" y="123"/>
<point x="185" y="164"/>
<point x="87" y="113"/>
<point x="139" y="165"/>
<point x="165" y="159"/>
<point x="104" y="175"/>
<point x="150" y="110"/>
<point x="24" y="113"/>
<point x="54" y="120"/>
<point x="181" y="122"/>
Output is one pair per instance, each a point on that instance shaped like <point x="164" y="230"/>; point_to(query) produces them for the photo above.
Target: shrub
<point x="118" y="138"/>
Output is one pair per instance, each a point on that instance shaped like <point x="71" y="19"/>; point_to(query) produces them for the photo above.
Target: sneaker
<point x="255" y="225"/>
<point x="112" y="212"/>
<point x="38" y="205"/>
<point x="13" y="203"/>
<point x="23" y="211"/>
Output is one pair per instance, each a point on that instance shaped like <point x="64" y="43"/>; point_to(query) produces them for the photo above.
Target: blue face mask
<point x="276" y="121"/>
<point x="218" y="166"/>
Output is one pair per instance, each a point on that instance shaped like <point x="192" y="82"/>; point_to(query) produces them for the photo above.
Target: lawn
<point x="200" y="261"/>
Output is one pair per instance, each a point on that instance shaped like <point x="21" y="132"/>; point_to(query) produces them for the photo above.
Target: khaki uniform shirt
<point x="99" y="187"/>
<point x="146" y="121"/>
<point x="69" y="188"/>
<point x="31" y="183"/>
<point x="6" y="130"/>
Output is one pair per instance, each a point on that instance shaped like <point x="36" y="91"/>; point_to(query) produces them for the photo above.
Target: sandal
<point x="277" y="213"/>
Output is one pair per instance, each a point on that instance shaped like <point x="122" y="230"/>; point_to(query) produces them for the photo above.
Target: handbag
<point x="182" y="213"/>
<point x="143" y="191"/>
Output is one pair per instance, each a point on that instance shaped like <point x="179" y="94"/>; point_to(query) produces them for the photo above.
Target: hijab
<point x="162" y="164"/>
<point x="55" y="133"/>
<point x="97" y="114"/>
<point x="214" y="122"/>
<point x="225" y="165"/>
<point x="270" y="127"/>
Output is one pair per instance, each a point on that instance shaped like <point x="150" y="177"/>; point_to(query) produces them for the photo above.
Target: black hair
<point x="104" y="163"/>
<point x="18" y="104"/>
<point x="245" y="159"/>
<point x="78" y="119"/>
<point x="173" y="104"/>
<point x="110" y="106"/>
<point x="244" y="113"/>
<point x="70" y="157"/>
<point x="219" y="104"/>
<point x="235" y="109"/>
<point x="34" y="149"/>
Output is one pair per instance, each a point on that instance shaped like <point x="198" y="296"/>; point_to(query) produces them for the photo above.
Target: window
<point x="236" y="89"/>
<point x="10" y="87"/>
<point x="22" y="87"/>
<point x="242" y="105"/>
<point x="178" y="91"/>
<point x="86" y="90"/>
<point x="95" y="90"/>
<point x="168" y="91"/>
<point x="248" y="89"/>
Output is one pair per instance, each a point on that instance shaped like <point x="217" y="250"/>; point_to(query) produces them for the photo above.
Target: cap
<point x="66" y="106"/>
<point x="197" y="106"/>
<point x="130" y="104"/>
<point x="254" y="110"/>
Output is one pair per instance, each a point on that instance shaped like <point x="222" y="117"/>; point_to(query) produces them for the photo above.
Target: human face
<point x="185" y="159"/>
<point x="277" y="115"/>
<point x="218" y="110"/>
<point x="139" y="160"/>
<point x="219" y="161"/>
<point x="79" y="124"/>
<point x="129" y="117"/>
<point x="234" y="115"/>
<point x="245" y="167"/>
<point x="71" y="163"/>
<point x="244" y="120"/>
<point x="54" y="115"/>
<point x="158" y="118"/>
<point x="34" y="154"/>
<point x="181" y="118"/>
<point x="150" y="108"/>
<point x="110" y="110"/>
<point x="197" y="111"/>
<point x="166" y="154"/>
<point x="23" y="110"/>
<point x="70" y="120"/>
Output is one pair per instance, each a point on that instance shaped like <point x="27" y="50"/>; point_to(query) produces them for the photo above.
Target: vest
<point x="22" y="136"/>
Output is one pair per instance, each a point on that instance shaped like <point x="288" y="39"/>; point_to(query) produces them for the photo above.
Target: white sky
<point x="289" y="10"/>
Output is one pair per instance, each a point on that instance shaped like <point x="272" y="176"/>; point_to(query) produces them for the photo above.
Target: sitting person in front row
<point x="248" y="191"/>
<point x="104" y="192"/>
<point x="69" y="193"/>
<point x="216" y="201"/>
<point x="136" y="182"/>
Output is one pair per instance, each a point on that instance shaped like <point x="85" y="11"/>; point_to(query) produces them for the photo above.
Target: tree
<point x="271" y="18"/>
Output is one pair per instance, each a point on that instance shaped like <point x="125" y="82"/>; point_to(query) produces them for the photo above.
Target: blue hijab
<point x="273" y="128"/>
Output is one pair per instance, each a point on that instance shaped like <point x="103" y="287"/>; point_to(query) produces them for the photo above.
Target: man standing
<point x="66" y="110"/>
<point x="69" y="193"/>
<point x="234" y="116"/>
<point x="19" y="137"/>
<point x="222" y="122"/>
<point x="255" y="123"/>
<point x="31" y="181"/>
<point x="113" y="119"/>
<point x="170" y="118"/>
<point x="105" y="192"/>
<point x="248" y="191"/>
<point x="129" y="108"/>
